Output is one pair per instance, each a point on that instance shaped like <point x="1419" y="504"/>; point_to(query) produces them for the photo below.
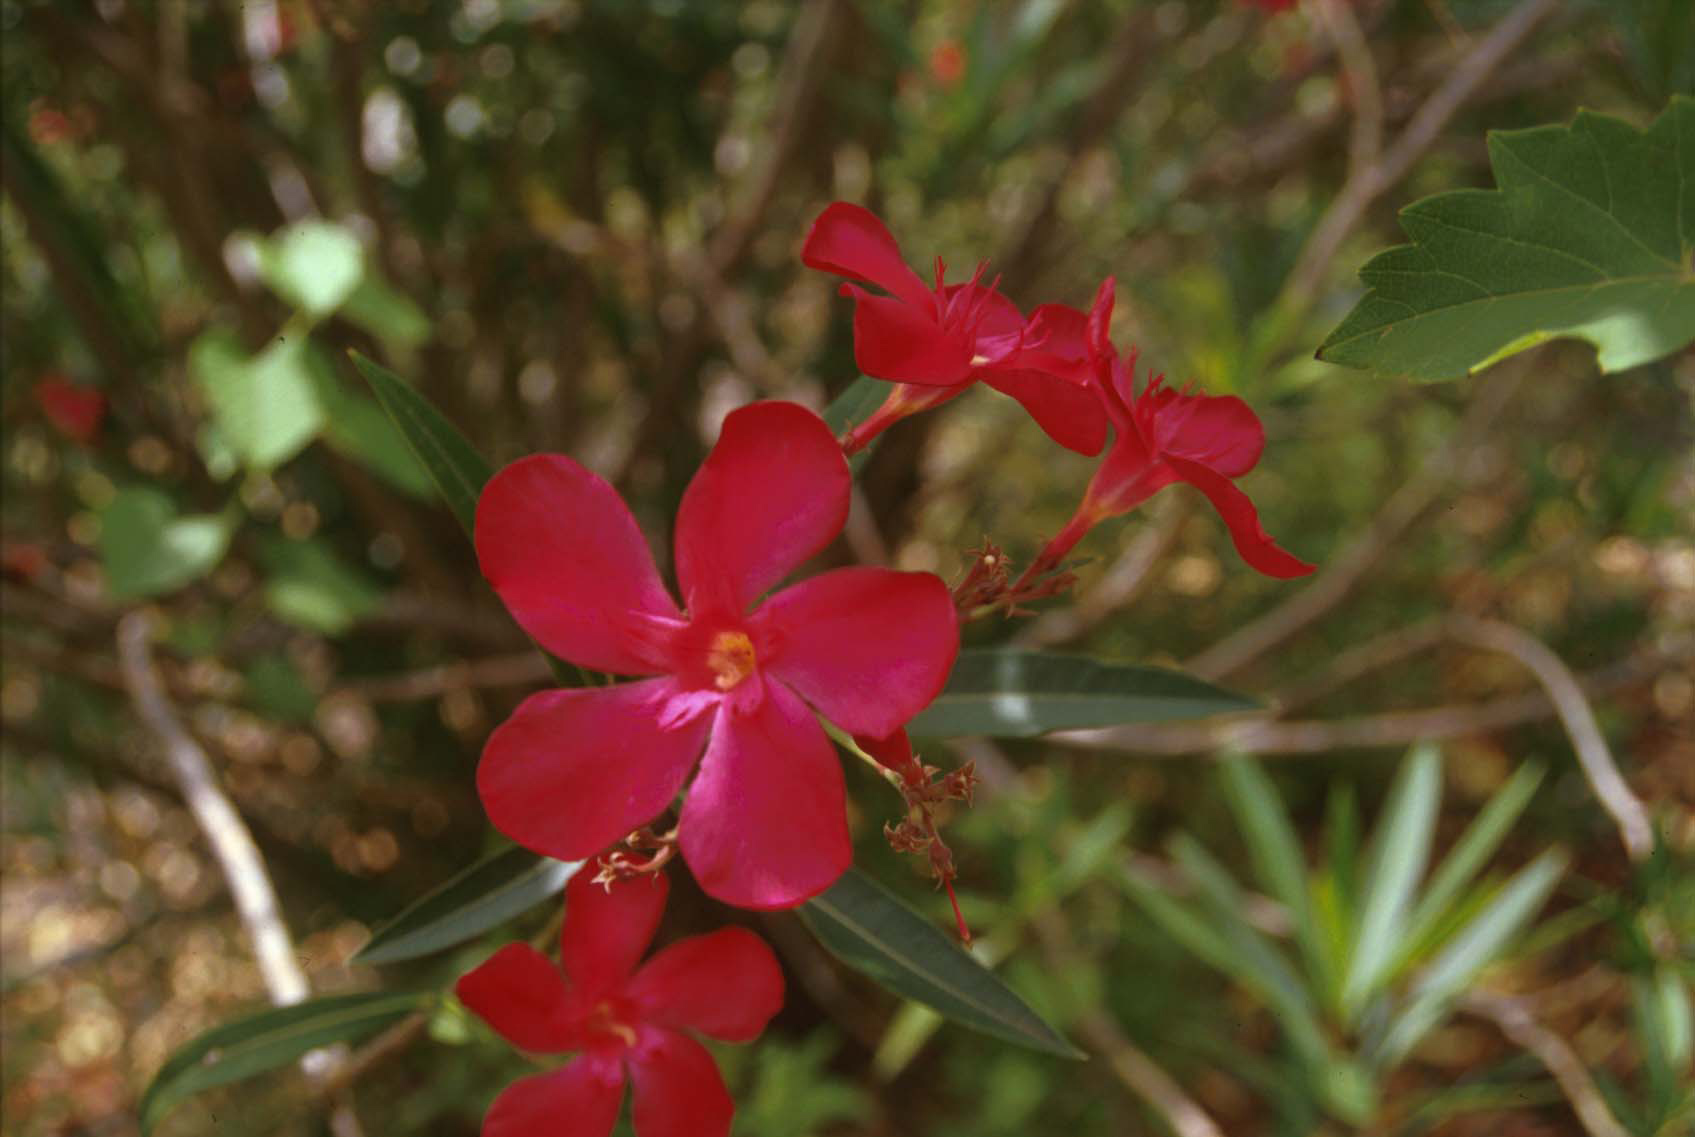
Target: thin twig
<point x="1520" y="1026"/>
<point x="232" y="844"/>
<point x="1360" y="71"/>
<point x="1627" y="810"/>
<point x="1365" y="185"/>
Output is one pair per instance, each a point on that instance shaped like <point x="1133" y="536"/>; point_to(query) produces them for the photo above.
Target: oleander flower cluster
<point x="706" y="734"/>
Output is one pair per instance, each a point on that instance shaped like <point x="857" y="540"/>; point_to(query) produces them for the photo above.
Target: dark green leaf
<point x="487" y="894"/>
<point x="1012" y="693"/>
<point x="458" y="471"/>
<point x="853" y="406"/>
<point x="267" y="1040"/>
<point x="1590" y="235"/>
<point x="869" y="929"/>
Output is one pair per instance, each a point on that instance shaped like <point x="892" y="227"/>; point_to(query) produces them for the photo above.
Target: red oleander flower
<point x="627" y="1023"/>
<point x="764" y="823"/>
<point x="74" y="410"/>
<point x="1163" y="436"/>
<point x="934" y="342"/>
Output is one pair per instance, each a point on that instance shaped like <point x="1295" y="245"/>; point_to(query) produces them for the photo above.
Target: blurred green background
<point x="574" y="224"/>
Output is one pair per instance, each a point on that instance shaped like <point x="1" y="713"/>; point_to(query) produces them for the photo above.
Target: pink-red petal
<point x="773" y="492"/>
<point x="1220" y="432"/>
<point x="607" y="928"/>
<point x="565" y="555"/>
<point x="725" y="984"/>
<point x="868" y="647"/>
<point x="574" y="770"/>
<point x="1056" y="340"/>
<point x="1255" y="546"/>
<point x="522" y="995"/>
<point x="1070" y="413"/>
<point x="893" y="340"/>
<point x="677" y="1089"/>
<point x="577" y="1100"/>
<point x="765" y="822"/>
<point x="850" y="241"/>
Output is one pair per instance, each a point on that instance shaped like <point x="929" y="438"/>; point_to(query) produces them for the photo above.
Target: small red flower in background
<point x="934" y="342"/>
<point x="764" y="824"/>
<point x="74" y="410"/>
<point x="1164" y="436"/>
<point x="626" y="1022"/>
<point x="947" y="62"/>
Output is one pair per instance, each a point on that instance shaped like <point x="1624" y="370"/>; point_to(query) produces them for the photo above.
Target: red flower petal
<point x="608" y="928"/>
<point x="895" y="341"/>
<point x="566" y="557"/>
<point x="74" y="410"/>
<point x="1252" y="542"/>
<point x="765" y="822"/>
<point x="773" y="492"/>
<point x="1056" y="340"/>
<point x="574" y="770"/>
<point x="521" y="995"/>
<point x="677" y="1088"/>
<point x="850" y="241"/>
<point x="868" y="647"/>
<point x="1218" y="431"/>
<point x="578" y="1100"/>
<point x="726" y="985"/>
<point x="1070" y="413"/>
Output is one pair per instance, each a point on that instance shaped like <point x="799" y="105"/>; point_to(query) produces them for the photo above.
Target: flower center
<point x="601" y="1021"/>
<point x="731" y="659"/>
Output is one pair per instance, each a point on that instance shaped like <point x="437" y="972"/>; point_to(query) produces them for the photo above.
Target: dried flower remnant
<point x="923" y="788"/>
<point x="627" y="1023"/>
<point x="764" y="823"/>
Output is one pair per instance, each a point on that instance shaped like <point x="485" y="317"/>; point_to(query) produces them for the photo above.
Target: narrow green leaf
<point x="1395" y="862"/>
<point x="1463" y="862"/>
<point x="1255" y="961"/>
<point x="483" y="896"/>
<point x="869" y="929"/>
<point x="1278" y="860"/>
<point x="458" y="470"/>
<point x="267" y="1040"/>
<point x="1184" y="925"/>
<point x="1590" y="235"/>
<point x="386" y="313"/>
<point x="1013" y="693"/>
<point x="1473" y="948"/>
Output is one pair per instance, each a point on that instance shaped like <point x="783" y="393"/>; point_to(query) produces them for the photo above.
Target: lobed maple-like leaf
<point x="1589" y="235"/>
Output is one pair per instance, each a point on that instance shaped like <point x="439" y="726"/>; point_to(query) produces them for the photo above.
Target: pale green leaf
<point x="265" y="407"/>
<point x="312" y="265"/>
<point x="148" y="550"/>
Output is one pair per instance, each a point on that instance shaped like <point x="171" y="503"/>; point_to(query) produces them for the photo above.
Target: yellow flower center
<point x="731" y="659"/>
<point x="602" y="1021"/>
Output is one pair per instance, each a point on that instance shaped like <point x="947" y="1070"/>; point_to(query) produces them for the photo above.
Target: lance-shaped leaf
<point x="267" y="1040"/>
<point x="1590" y="235"/>
<point x="458" y="470"/>
<point x="869" y="929"/>
<point x="484" y="896"/>
<point x="854" y="405"/>
<point x="456" y="467"/>
<point x="1012" y="693"/>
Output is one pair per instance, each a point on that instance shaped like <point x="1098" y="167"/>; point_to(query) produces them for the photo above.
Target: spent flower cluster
<point x="743" y="687"/>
